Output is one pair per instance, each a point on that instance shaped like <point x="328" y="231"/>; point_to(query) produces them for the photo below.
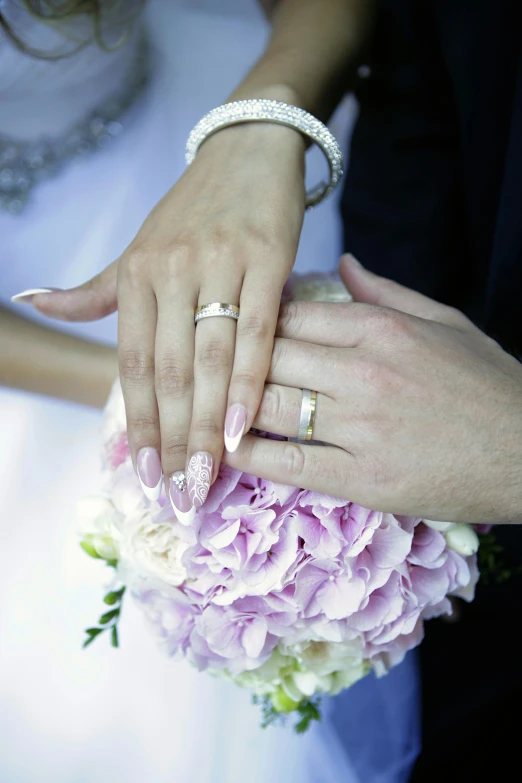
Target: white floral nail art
<point x="199" y="475"/>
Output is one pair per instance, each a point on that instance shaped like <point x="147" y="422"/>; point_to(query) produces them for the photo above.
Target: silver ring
<point x="307" y="420"/>
<point x="216" y="309"/>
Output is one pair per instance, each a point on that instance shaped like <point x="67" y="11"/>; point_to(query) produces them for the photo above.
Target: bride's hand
<point x="226" y="232"/>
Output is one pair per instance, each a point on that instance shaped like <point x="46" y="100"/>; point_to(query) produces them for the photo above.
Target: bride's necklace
<point x="23" y="165"/>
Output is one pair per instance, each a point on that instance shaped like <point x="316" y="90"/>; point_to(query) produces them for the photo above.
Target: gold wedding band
<point x="216" y="309"/>
<point x="307" y="419"/>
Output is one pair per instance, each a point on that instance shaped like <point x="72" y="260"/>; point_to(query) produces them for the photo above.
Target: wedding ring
<point x="216" y="309"/>
<point x="307" y="420"/>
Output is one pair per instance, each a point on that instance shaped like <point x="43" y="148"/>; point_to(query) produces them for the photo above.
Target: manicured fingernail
<point x="148" y="464"/>
<point x="180" y="499"/>
<point x="25" y="297"/>
<point x="354" y="261"/>
<point x="235" y="423"/>
<point x="199" y="476"/>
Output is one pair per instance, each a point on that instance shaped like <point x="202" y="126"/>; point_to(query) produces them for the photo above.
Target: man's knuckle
<point x="456" y="317"/>
<point x="294" y="459"/>
<point x="289" y="316"/>
<point x="279" y="354"/>
<point x="173" y="378"/>
<point x="272" y="406"/>
<point x="136" y="366"/>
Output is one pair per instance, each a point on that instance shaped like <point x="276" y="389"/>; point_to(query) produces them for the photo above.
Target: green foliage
<point x="492" y="563"/>
<point x="307" y="710"/>
<point x="109" y="620"/>
<point x="89" y="549"/>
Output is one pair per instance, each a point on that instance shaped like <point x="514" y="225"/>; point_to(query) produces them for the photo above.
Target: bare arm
<point x="42" y="360"/>
<point x="313" y="48"/>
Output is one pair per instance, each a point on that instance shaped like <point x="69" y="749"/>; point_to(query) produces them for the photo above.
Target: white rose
<point x="152" y="549"/>
<point x="462" y="539"/>
<point x="266" y="679"/>
<point x="325" y="667"/>
<point x="97" y="521"/>
<point x="442" y="527"/>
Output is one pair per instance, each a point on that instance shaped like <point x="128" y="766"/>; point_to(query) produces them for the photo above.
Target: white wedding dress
<point x="132" y="715"/>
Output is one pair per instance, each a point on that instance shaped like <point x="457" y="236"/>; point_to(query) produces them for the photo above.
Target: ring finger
<point x="213" y="360"/>
<point x="304" y="365"/>
<point x="280" y="413"/>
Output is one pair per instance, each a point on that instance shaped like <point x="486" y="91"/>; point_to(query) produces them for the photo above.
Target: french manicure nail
<point x="148" y="465"/>
<point x="25" y="297"/>
<point x="199" y="476"/>
<point x="235" y="423"/>
<point x="180" y="499"/>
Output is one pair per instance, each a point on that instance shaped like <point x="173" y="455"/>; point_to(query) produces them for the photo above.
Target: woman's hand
<point x="423" y="410"/>
<point x="227" y="232"/>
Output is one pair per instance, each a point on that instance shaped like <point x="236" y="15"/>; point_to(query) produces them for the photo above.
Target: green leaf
<point x="114" y="596"/>
<point x="112" y="563"/>
<point x="89" y="549"/>
<point x="92" y="633"/>
<point x="114" y="636"/>
<point x="108" y="616"/>
<point x="309" y="711"/>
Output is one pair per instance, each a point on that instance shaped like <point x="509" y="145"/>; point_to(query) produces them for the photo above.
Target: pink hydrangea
<point x="272" y="570"/>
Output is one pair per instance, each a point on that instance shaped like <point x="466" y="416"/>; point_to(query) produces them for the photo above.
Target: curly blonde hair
<point x="59" y="13"/>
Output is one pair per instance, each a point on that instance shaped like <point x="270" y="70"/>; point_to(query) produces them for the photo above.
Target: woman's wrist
<point x="46" y="361"/>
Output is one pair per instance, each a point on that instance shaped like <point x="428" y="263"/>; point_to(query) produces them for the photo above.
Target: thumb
<point x="87" y="302"/>
<point x="367" y="287"/>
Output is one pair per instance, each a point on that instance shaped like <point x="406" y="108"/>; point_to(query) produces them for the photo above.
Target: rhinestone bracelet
<point x="259" y="110"/>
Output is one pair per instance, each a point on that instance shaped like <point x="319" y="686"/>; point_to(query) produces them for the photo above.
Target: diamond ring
<point x="215" y="309"/>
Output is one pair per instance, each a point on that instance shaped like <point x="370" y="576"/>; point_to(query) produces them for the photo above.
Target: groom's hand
<point x="422" y="410"/>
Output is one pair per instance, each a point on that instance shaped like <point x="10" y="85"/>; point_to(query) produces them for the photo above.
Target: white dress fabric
<point x="132" y="715"/>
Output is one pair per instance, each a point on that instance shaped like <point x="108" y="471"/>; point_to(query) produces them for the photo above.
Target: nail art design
<point x="235" y="423"/>
<point x="180" y="499"/>
<point x="25" y="297"/>
<point x="149" y="471"/>
<point x="199" y="476"/>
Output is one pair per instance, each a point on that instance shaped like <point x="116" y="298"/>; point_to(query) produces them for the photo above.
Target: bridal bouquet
<point x="289" y="593"/>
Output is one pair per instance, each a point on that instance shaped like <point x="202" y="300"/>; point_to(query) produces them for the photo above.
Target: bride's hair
<point x="99" y="15"/>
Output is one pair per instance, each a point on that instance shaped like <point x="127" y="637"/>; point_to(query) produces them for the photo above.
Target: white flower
<point x="114" y="419"/>
<point x="266" y="679"/>
<point x="97" y="520"/>
<point x="152" y="549"/>
<point x="462" y="539"/>
<point x="315" y="667"/>
<point x="334" y="665"/>
<point x="442" y="527"/>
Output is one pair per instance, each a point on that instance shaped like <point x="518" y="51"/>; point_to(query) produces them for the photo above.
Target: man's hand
<point x="422" y="410"/>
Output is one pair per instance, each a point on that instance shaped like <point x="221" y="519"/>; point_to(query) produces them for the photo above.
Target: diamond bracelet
<point x="260" y="110"/>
